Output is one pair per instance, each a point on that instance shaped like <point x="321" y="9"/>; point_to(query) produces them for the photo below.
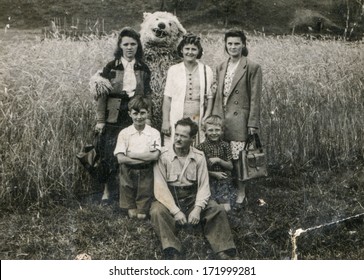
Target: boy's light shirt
<point x="132" y="140"/>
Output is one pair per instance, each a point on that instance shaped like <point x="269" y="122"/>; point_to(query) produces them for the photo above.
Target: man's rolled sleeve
<point x="203" y="189"/>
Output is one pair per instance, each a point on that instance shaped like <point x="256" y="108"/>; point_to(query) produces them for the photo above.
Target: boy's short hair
<point x="214" y="120"/>
<point x="138" y="103"/>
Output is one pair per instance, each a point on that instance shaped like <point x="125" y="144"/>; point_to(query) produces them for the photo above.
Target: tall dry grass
<point x="47" y="114"/>
<point x="312" y="107"/>
<point x="313" y="100"/>
<point x="313" y="97"/>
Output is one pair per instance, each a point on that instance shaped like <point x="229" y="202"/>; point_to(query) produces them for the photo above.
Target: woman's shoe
<point x="105" y="202"/>
<point x="240" y="206"/>
<point x="132" y="213"/>
<point x="141" y="216"/>
<point x="227" y="207"/>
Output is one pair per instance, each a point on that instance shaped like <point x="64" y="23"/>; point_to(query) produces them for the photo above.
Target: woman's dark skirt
<point x="107" y="146"/>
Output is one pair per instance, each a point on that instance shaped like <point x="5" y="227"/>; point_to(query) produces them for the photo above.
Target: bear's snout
<point x="161" y="25"/>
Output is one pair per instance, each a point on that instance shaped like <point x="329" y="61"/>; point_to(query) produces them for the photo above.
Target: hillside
<point x="270" y="16"/>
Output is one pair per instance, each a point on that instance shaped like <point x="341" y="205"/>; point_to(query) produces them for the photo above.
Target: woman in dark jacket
<point x="237" y="100"/>
<point x="128" y="76"/>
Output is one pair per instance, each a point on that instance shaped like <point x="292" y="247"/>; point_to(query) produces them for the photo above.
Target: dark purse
<point x="252" y="159"/>
<point x="90" y="159"/>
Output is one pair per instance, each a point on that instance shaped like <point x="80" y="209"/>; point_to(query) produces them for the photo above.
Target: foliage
<point x="273" y="16"/>
<point x="228" y="8"/>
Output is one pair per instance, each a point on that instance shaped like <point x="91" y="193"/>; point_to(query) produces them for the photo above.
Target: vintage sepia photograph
<point x="182" y="130"/>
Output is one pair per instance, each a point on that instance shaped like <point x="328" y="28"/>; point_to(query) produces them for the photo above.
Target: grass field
<point x="312" y="128"/>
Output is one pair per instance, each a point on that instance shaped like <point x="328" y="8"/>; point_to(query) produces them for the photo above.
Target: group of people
<point x="195" y="176"/>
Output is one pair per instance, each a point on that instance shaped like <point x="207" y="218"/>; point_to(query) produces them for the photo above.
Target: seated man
<point x="182" y="192"/>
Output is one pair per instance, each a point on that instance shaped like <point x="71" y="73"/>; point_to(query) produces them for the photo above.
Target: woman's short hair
<point x="190" y="38"/>
<point x="212" y="120"/>
<point x="188" y="122"/>
<point x="237" y="33"/>
<point x="129" y="32"/>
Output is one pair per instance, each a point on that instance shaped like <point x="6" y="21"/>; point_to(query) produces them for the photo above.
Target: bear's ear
<point x="145" y="15"/>
<point x="181" y="29"/>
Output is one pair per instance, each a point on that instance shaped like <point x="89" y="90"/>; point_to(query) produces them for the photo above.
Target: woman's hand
<point x="252" y="130"/>
<point x="166" y="128"/>
<point x="99" y="128"/>
<point x="205" y="117"/>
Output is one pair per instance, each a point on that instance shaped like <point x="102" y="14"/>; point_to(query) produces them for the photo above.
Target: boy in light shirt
<point x="137" y="148"/>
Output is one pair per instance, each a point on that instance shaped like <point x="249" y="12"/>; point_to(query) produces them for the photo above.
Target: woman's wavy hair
<point x="237" y="33"/>
<point x="129" y="32"/>
<point x="190" y="38"/>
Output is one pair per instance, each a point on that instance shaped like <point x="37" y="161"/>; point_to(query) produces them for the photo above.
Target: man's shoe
<point x="224" y="256"/>
<point x="171" y="254"/>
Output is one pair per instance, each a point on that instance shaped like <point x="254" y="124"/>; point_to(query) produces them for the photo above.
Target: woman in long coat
<point x="237" y="100"/>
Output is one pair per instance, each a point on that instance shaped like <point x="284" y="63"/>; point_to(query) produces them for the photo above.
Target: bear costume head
<point x="161" y="29"/>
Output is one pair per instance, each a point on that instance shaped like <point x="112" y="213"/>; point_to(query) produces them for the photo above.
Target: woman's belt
<point x="123" y="95"/>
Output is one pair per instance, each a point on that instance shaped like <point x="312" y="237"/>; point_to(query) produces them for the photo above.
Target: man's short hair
<point x="188" y="122"/>
<point x="138" y="103"/>
<point x="213" y="120"/>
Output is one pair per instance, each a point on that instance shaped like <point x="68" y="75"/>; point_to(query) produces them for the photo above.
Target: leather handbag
<point x="253" y="159"/>
<point x="90" y="159"/>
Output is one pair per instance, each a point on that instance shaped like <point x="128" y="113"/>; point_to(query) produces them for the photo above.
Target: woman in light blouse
<point x="188" y="89"/>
